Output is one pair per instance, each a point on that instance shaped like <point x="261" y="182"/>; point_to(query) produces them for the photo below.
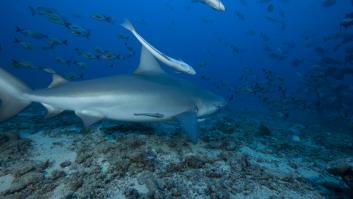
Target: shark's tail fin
<point x="11" y="95"/>
<point x="128" y="25"/>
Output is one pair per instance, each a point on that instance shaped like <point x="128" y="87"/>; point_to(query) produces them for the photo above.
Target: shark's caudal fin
<point x="148" y="64"/>
<point x="12" y="97"/>
<point x="128" y="25"/>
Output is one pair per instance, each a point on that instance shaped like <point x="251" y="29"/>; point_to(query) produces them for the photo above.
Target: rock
<point x="42" y="165"/>
<point x="83" y="156"/>
<point x="25" y="181"/>
<point x="23" y="170"/>
<point x="131" y="193"/>
<point x="135" y="143"/>
<point x="214" y="191"/>
<point x="263" y="130"/>
<point x="146" y="158"/>
<point x="66" y="163"/>
<point x="151" y="183"/>
<point x="213" y="173"/>
<point x="194" y="162"/>
<point x="76" y="183"/>
<point x="56" y="174"/>
<point x="7" y="138"/>
<point x="344" y="169"/>
<point x="120" y="167"/>
<point x="175" y="167"/>
<point x="4" y="139"/>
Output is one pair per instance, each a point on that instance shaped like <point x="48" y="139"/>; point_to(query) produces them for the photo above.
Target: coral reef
<point x="234" y="159"/>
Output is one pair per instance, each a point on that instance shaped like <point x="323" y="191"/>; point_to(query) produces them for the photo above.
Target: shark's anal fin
<point x="52" y="111"/>
<point x="88" y="118"/>
<point x="148" y="64"/>
<point x="57" y="81"/>
<point x="188" y="121"/>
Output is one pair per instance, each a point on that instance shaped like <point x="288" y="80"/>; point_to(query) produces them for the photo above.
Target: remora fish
<point x="148" y="95"/>
<point x="215" y="4"/>
<point x="176" y="64"/>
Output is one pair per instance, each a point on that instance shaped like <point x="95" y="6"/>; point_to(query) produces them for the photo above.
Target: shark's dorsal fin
<point x="57" y="81"/>
<point x="148" y="64"/>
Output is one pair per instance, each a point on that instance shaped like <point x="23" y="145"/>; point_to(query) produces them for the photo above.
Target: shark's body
<point x="148" y="95"/>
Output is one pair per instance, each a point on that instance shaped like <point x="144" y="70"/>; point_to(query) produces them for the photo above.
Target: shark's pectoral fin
<point x="88" y="118"/>
<point x="57" y="81"/>
<point x="188" y="121"/>
<point x="52" y="111"/>
<point x="148" y="64"/>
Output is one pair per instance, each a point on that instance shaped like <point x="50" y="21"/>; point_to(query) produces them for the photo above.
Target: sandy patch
<point x="47" y="148"/>
<point x="5" y="182"/>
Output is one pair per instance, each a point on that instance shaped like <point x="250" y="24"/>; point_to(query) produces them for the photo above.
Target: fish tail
<point x="65" y="42"/>
<point x="18" y="29"/>
<point x="88" y="34"/>
<point x="128" y="25"/>
<point x="67" y="24"/>
<point x="15" y="63"/>
<point x="12" y="97"/>
<point x="109" y="19"/>
<point x="33" y="11"/>
<point x="16" y="40"/>
<point x="79" y="51"/>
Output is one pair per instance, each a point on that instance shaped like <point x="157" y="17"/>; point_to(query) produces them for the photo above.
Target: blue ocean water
<point x="283" y="66"/>
<point x="217" y="44"/>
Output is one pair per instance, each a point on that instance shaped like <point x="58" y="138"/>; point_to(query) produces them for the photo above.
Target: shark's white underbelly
<point x="123" y="106"/>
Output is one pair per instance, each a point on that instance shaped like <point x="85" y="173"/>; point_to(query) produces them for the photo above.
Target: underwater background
<point x="284" y="67"/>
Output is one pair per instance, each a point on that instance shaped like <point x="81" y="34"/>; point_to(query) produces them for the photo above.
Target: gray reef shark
<point x="147" y="95"/>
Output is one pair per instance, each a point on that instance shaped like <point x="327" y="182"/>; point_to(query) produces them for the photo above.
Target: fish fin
<point x="18" y="29"/>
<point x="88" y="118"/>
<point x="52" y="111"/>
<point x="88" y="35"/>
<point x="33" y="11"/>
<point x="188" y="121"/>
<point x="148" y="64"/>
<point x="57" y="81"/>
<point x="109" y="19"/>
<point x="128" y="25"/>
<point x="11" y="95"/>
<point x="15" y="63"/>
